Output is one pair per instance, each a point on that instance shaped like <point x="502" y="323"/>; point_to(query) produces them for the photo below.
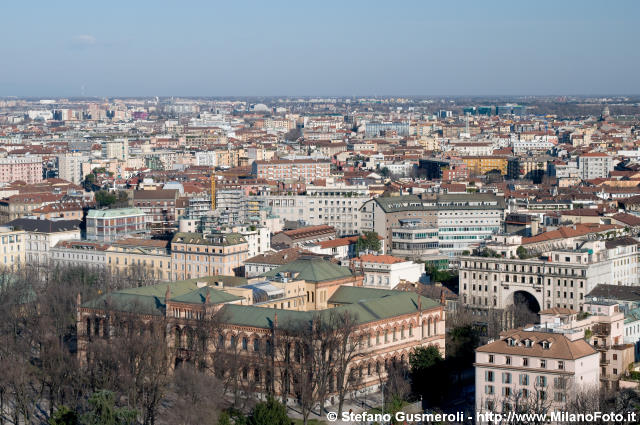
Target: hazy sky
<point x="263" y="48"/>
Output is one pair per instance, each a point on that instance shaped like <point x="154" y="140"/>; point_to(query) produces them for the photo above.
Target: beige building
<point x="602" y="325"/>
<point x="196" y="255"/>
<point x="558" y="278"/>
<point x="544" y="368"/>
<point x="149" y="256"/>
<point x="12" y="244"/>
<point x="74" y="253"/>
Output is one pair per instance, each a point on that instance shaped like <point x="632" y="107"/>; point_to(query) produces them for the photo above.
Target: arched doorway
<point x="522" y="311"/>
<point x="527" y="300"/>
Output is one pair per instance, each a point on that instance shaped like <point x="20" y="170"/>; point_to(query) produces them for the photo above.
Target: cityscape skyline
<point x="421" y="49"/>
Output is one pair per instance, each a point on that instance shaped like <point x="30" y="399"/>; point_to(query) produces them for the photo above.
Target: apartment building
<point x="74" y="253"/>
<point x="116" y="149"/>
<point x="24" y="168"/>
<point x="195" y="255"/>
<point x="42" y="235"/>
<point x="462" y="220"/>
<point x="593" y="165"/>
<point x="336" y="205"/>
<point x="483" y="164"/>
<point x="116" y="223"/>
<point x="12" y="247"/>
<point x="70" y="166"/>
<point x="601" y="323"/>
<point x="306" y="170"/>
<point x="414" y="239"/>
<point x="544" y="368"/>
<point x="159" y="206"/>
<point x="149" y="257"/>
<point x="386" y="271"/>
<point x="558" y="278"/>
<point x="21" y="205"/>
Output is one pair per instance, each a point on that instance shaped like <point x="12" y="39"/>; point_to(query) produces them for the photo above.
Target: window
<point x="488" y="376"/>
<point x="561" y="365"/>
<point x="491" y="358"/>
<point x="488" y="389"/>
<point x="524" y="379"/>
<point x="543" y="364"/>
<point x="525" y="362"/>
<point x="506" y="378"/>
<point x="508" y="360"/>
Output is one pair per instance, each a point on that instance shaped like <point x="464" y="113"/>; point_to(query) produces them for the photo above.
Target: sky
<point x="324" y="48"/>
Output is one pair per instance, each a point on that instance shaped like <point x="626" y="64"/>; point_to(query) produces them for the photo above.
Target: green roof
<point x="311" y="270"/>
<point x="200" y="295"/>
<point x="383" y="304"/>
<point x="115" y="212"/>
<point x="150" y="299"/>
<point x="353" y="294"/>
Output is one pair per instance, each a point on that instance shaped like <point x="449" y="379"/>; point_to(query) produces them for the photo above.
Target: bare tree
<point x="196" y="398"/>
<point x="347" y="349"/>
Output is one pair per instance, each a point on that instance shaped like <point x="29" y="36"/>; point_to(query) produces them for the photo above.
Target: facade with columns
<point x="388" y="326"/>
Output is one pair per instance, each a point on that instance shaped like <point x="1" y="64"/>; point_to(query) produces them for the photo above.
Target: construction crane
<point x="213" y="189"/>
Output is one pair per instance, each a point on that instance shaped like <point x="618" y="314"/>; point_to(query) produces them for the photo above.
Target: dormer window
<point x="511" y="342"/>
<point x="527" y="342"/>
<point x="546" y="345"/>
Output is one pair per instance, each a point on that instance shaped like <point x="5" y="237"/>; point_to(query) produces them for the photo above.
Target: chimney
<point x="207" y="298"/>
<point x="275" y="320"/>
<point x="167" y="294"/>
<point x="419" y="303"/>
<point x="443" y="301"/>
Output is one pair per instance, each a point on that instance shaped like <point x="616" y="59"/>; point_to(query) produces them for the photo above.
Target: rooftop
<point x="311" y="270"/>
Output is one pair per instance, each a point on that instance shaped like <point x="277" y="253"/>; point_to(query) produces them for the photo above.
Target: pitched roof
<point x="628" y="219"/>
<point x="569" y="232"/>
<point x="44" y="226"/>
<point x="151" y="299"/>
<point x="309" y="231"/>
<point x="367" y="306"/>
<point x="380" y="259"/>
<point x="281" y="257"/>
<point x="561" y="347"/>
<point x="311" y="270"/>
<point x="615" y="292"/>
